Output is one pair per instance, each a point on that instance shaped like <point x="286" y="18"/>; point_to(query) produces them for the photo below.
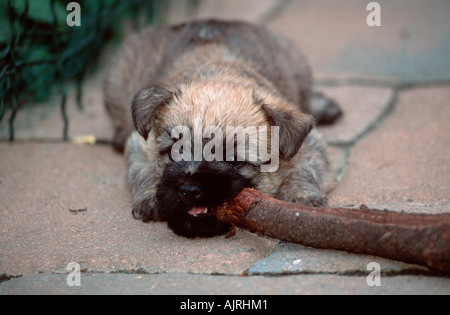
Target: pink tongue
<point x="196" y="210"/>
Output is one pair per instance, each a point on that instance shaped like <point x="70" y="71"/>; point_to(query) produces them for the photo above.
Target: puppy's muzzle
<point x="190" y="193"/>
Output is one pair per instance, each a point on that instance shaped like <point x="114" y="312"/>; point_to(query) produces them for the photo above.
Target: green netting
<point x="40" y="52"/>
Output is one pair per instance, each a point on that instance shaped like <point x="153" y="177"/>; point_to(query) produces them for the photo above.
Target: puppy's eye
<point x="233" y="162"/>
<point x="169" y="153"/>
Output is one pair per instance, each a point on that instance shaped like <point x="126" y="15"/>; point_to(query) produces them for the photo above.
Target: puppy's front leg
<point x="310" y="177"/>
<point x="142" y="176"/>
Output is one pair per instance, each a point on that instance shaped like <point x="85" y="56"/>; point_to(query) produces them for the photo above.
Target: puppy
<point x="215" y="107"/>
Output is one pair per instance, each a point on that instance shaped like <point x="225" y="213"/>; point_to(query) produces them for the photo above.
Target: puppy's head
<point x="201" y="164"/>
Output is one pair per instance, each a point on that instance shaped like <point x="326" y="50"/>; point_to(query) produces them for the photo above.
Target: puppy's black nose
<point x="190" y="192"/>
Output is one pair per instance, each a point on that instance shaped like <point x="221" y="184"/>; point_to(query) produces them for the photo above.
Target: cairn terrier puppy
<point x="206" y="108"/>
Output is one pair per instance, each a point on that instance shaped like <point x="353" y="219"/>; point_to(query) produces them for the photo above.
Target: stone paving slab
<point x="411" y="45"/>
<point x="44" y="121"/>
<point x="186" y="284"/>
<point x="362" y="107"/>
<point x="290" y="258"/>
<point x="407" y="159"/>
<point x="38" y="233"/>
<point x="39" y="183"/>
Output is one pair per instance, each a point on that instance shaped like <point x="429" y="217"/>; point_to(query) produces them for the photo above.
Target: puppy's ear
<point x="145" y="106"/>
<point x="294" y="127"/>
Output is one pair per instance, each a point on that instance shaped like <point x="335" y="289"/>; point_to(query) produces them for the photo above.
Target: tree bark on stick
<point x="413" y="238"/>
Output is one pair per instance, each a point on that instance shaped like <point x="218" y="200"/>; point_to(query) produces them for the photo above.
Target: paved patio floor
<point x="390" y="150"/>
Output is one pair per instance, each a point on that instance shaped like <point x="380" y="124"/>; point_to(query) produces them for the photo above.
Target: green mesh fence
<point x="39" y="51"/>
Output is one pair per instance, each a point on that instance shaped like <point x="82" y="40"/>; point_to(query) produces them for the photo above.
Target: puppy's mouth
<point x="199" y="211"/>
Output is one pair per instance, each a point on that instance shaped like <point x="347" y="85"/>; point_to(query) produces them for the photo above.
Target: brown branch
<point x="413" y="238"/>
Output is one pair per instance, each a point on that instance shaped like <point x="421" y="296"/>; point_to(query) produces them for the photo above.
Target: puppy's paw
<point x="316" y="200"/>
<point x="143" y="211"/>
<point x="119" y="140"/>
<point x="324" y="110"/>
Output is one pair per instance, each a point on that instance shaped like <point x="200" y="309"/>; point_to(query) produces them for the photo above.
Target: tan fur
<point x="227" y="74"/>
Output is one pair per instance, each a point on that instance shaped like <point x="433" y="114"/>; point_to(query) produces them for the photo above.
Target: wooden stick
<point x="413" y="238"/>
